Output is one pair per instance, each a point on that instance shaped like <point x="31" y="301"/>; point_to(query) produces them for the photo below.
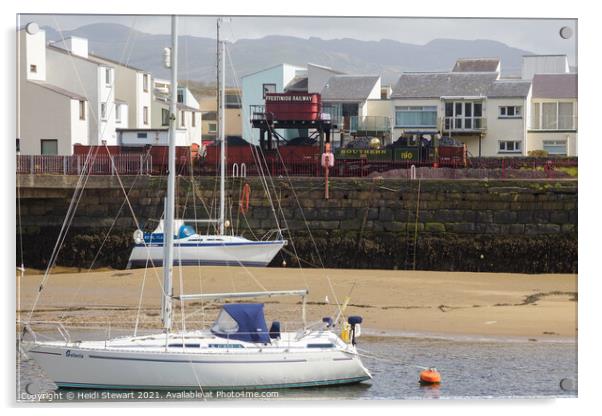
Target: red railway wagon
<point x="244" y="154"/>
<point x="293" y="106"/>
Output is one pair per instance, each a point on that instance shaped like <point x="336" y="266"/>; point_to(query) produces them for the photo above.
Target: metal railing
<point x="126" y="164"/>
<point x="369" y="124"/>
<point x="464" y="124"/>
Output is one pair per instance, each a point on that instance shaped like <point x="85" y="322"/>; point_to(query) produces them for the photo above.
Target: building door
<point x="349" y="110"/>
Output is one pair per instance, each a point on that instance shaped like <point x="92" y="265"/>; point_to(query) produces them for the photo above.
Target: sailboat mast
<point x="168" y="231"/>
<point x="221" y="80"/>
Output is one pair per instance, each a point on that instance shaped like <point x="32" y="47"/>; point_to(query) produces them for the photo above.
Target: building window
<point x="108" y="76"/>
<point x="553" y="116"/>
<point x="416" y="116"/>
<point x="565" y="116"/>
<point x="510" y="111"/>
<point x="535" y="116"/>
<point x="141" y="135"/>
<point x="509" y="146"/>
<point x="548" y="116"/>
<point x="212" y="127"/>
<point x="82" y="110"/>
<point x="180" y="96"/>
<point x="33" y="68"/>
<point x="117" y="113"/>
<point x="164" y="117"/>
<point x="145" y="115"/>
<point x="463" y="116"/>
<point x="555" y="147"/>
<point x="193" y="119"/>
<point x="145" y="82"/>
<point x="103" y="111"/>
<point x="182" y="118"/>
<point x="268" y="89"/>
<point x="49" y="147"/>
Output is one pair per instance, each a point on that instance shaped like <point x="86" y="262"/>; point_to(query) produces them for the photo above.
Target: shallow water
<point x="469" y="369"/>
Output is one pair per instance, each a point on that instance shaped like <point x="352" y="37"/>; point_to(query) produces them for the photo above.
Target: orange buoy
<point x="430" y="376"/>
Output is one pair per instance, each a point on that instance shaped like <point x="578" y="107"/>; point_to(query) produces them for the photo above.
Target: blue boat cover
<point x="250" y="320"/>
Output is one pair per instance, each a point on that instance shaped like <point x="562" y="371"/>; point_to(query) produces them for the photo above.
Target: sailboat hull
<point x="104" y="369"/>
<point x="247" y="253"/>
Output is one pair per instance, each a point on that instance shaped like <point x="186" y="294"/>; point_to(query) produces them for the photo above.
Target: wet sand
<point x="536" y="307"/>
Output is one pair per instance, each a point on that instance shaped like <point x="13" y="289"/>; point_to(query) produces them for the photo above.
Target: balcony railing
<point x="464" y="124"/>
<point x="369" y="124"/>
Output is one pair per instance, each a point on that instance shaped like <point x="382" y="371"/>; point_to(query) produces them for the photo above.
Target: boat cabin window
<point x="325" y="345"/>
<point x="225" y="324"/>
<point x="184" y="345"/>
<point x="225" y="346"/>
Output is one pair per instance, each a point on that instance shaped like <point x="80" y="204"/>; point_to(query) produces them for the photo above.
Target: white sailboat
<point x="237" y="352"/>
<point x="196" y="249"/>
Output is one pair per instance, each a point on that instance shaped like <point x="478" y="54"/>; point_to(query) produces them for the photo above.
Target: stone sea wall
<point x="514" y="226"/>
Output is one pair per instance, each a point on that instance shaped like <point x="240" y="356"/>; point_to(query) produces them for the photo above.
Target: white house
<point x="479" y="109"/>
<point x="553" y="117"/>
<point x="133" y="87"/>
<point x="50" y="118"/>
<point x="347" y="97"/>
<point x="68" y="66"/>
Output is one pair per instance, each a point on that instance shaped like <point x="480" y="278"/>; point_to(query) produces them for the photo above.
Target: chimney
<point x="77" y="46"/>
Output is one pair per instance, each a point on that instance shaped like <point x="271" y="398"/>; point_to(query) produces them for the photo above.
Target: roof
<point x="349" y="87"/>
<point x="185" y="107"/>
<point x="179" y="106"/>
<point x="297" y="84"/>
<point x="326" y="68"/>
<point x="250" y="323"/>
<point x="555" y="86"/>
<point x="440" y="84"/>
<point x="68" y="52"/>
<point x="544" y="55"/>
<point x="59" y="90"/>
<point x="209" y="116"/>
<point x="95" y="57"/>
<point x="509" y="88"/>
<point x="476" y="65"/>
<point x="271" y="67"/>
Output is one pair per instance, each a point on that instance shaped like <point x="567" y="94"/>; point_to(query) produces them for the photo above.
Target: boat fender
<point x="345" y="333"/>
<point x="245" y="198"/>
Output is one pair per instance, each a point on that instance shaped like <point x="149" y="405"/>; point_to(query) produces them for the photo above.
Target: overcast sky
<point x="536" y="35"/>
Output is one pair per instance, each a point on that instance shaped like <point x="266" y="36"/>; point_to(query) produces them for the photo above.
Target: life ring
<point x="245" y="198"/>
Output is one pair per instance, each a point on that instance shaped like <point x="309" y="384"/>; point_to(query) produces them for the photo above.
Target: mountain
<point x="197" y="54"/>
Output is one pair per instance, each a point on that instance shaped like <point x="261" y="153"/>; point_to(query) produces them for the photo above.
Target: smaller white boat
<point x="191" y="248"/>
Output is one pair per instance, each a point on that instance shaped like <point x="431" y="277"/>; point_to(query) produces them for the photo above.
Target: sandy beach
<point x="535" y="307"/>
